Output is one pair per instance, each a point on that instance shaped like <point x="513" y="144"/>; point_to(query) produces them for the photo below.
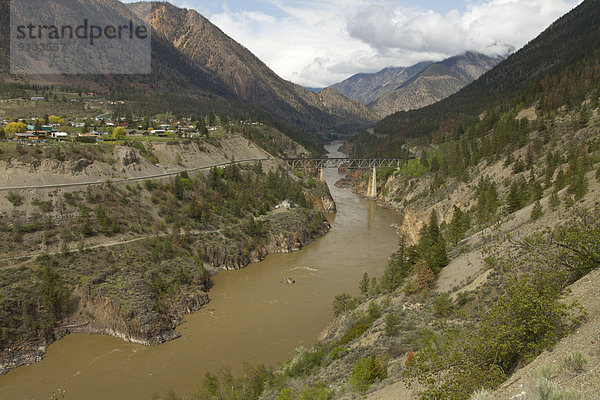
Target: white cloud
<point x="318" y="43"/>
<point x="492" y="26"/>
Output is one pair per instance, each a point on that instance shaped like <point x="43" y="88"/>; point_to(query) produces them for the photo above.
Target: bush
<point x="320" y="391"/>
<point x="305" y="361"/>
<point x="338" y="352"/>
<point x="554" y="201"/>
<point x="442" y="305"/>
<point x="226" y="386"/>
<point x="481" y="395"/>
<point x="355" y="331"/>
<point x="45" y="206"/>
<point x="367" y="371"/>
<point x="575" y="362"/>
<point x="15" y="198"/>
<point x="343" y="303"/>
<point x="373" y="311"/>
<point x="527" y="319"/>
<point x="545" y="389"/>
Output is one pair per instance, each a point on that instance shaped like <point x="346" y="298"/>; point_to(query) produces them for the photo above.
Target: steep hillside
<point x="248" y="77"/>
<point x="551" y="71"/>
<point x="196" y="68"/>
<point x="367" y="88"/>
<point x="402" y="89"/>
<point x="434" y="83"/>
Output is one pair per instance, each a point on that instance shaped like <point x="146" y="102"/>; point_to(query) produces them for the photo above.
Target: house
<point x="59" y="135"/>
<point x="47" y="128"/>
<point x="25" y="135"/>
<point x="94" y="135"/>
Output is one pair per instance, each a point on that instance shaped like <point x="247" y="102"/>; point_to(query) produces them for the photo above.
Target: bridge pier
<point x="372" y="185"/>
<point x="321" y="178"/>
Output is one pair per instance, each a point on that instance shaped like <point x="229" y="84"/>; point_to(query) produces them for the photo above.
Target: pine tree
<point x="513" y="200"/>
<point x="537" y="212"/>
<point x="364" y="284"/>
<point x="579" y="184"/>
<point x="561" y="180"/>
<point x="432" y="246"/>
<point x="554" y="200"/>
<point x="458" y="226"/>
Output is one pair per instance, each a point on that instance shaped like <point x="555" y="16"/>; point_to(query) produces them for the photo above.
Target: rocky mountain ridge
<point x="401" y="89"/>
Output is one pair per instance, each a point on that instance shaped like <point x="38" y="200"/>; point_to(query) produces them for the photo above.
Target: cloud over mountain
<point x="318" y="43"/>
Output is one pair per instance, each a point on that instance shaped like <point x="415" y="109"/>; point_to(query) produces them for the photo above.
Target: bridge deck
<point x="351" y="163"/>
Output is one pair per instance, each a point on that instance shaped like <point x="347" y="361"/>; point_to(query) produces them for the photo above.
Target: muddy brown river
<point x="252" y="317"/>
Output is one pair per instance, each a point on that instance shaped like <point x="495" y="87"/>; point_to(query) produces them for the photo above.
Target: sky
<point x="317" y="43"/>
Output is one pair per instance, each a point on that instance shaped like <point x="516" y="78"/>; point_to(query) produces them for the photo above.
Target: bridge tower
<point x="372" y="185"/>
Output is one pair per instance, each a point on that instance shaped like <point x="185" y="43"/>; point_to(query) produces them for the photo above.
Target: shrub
<point x="481" y="395"/>
<point x="306" y="361"/>
<point x="226" y="386"/>
<point x="338" y="352"/>
<point x="545" y="389"/>
<point x="527" y="319"/>
<point x="367" y="371"/>
<point x="343" y="303"/>
<point x="320" y="391"/>
<point x="355" y="331"/>
<point x="374" y="311"/>
<point x="442" y="305"/>
<point x="15" y="198"/>
<point x="575" y="362"/>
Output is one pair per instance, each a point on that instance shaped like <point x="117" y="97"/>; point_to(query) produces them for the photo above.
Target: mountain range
<point x="406" y="88"/>
<point x="196" y="68"/>
<point x="552" y="71"/>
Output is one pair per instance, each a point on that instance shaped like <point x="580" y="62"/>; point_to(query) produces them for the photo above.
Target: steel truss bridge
<point x="350" y="163"/>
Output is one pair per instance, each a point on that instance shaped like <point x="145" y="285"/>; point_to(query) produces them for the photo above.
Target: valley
<point x="173" y="236"/>
<point x="270" y="318"/>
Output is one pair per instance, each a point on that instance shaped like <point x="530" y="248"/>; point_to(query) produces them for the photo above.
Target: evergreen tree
<point x="579" y="184"/>
<point x="561" y="180"/>
<point x="432" y="246"/>
<point x="364" y="284"/>
<point x="554" y="200"/>
<point x="458" y="226"/>
<point x="537" y="212"/>
<point x="397" y="269"/>
<point x="513" y="201"/>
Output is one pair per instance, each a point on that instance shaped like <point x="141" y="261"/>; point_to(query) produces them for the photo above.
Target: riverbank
<point x="252" y="316"/>
<point x="130" y="260"/>
<point x="97" y="313"/>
